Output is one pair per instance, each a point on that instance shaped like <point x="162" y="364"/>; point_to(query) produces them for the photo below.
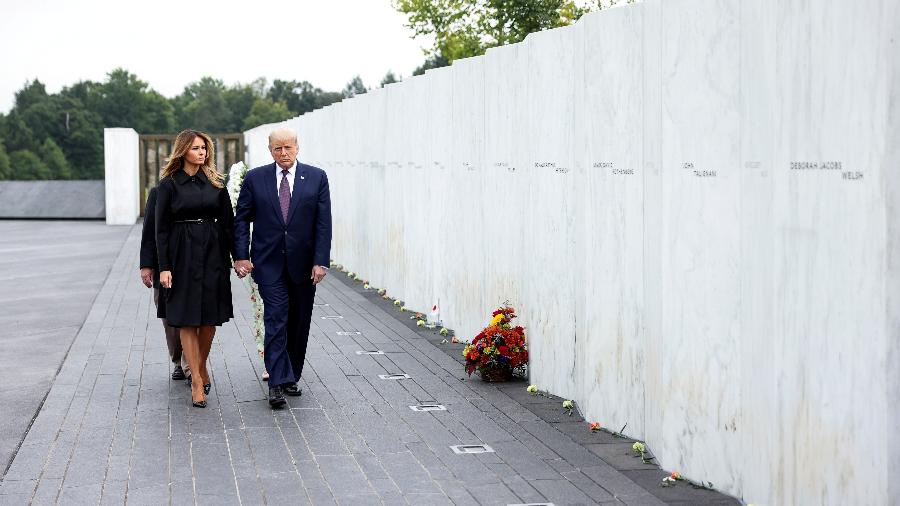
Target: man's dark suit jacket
<point x="148" y="238"/>
<point x="302" y="242"/>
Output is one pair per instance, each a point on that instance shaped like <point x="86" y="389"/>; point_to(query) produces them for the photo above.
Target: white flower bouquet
<point x="235" y="180"/>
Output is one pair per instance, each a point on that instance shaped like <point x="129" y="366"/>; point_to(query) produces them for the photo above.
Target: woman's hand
<point x="165" y="279"/>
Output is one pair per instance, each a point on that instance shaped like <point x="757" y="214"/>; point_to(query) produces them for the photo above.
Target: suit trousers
<point x="287" y="316"/>
<point x="173" y="339"/>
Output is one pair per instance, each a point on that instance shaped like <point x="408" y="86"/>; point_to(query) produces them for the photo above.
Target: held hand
<point x="165" y="279"/>
<point x="147" y="276"/>
<point x="242" y="268"/>
<point x="318" y="273"/>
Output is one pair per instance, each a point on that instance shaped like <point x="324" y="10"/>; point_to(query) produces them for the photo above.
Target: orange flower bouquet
<point x="499" y="349"/>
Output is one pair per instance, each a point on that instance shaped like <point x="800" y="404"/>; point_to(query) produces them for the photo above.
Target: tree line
<point x="60" y="135"/>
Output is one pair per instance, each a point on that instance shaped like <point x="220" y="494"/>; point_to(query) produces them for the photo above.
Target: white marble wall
<point x="633" y="186"/>
<point x="122" y="186"/>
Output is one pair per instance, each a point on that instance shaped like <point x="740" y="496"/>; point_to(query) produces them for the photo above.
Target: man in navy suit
<point x="290" y="207"/>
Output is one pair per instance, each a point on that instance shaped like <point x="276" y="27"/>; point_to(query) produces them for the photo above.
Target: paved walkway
<point x="50" y="272"/>
<point x="115" y="429"/>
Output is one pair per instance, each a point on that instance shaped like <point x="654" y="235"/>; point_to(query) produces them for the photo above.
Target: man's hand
<point x="165" y="279"/>
<point x="243" y="267"/>
<point x="318" y="273"/>
<point x="147" y="276"/>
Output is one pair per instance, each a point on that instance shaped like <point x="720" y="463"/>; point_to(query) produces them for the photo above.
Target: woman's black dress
<point x="194" y="221"/>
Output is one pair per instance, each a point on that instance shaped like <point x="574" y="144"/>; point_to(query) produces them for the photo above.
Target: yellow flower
<point x="497" y="319"/>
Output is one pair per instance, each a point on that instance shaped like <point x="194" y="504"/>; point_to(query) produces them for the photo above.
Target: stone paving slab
<point x="115" y="429"/>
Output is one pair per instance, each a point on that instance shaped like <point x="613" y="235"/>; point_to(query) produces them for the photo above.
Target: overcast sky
<point x="169" y="43"/>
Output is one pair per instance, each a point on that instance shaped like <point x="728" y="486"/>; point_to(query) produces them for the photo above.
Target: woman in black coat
<point x="194" y="221"/>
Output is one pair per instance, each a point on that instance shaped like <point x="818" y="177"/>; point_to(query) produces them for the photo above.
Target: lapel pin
<point x="301" y="177"/>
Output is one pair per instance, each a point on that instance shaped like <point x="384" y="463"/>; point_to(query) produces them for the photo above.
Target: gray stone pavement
<point x="50" y="272"/>
<point x="114" y="428"/>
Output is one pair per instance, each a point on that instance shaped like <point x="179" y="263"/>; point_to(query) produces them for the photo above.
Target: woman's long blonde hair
<point x="181" y="146"/>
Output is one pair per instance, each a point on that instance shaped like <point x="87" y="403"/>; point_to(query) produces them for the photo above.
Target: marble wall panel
<point x="700" y="256"/>
<point x="466" y="280"/>
<point x="505" y="176"/>
<point x="438" y="168"/>
<point x="549" y="237"/>
<point x="829" y="217"/>
<point x="609" y="253"/>
<point x="757" y="344"/>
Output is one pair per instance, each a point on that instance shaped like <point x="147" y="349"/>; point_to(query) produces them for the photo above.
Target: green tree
<point x="81" y="138"/>
<point x="202" y="106"/>
<point x="432" y="62"/>
<point x="55" y="160"/>
<point x="16" y="133"/>
<point x="389" y="78"/>
<point x="5" y="171"/>
<point x="464" y="28"/>
<point x="239" y="99"/>
<point x="27" y="166"/>
<point x="126" y="101"/>
<point x="301" y="97"/>
<point x="266" y="111"/>
<point x="32" y="93"/>
<point x="354" y="87"/>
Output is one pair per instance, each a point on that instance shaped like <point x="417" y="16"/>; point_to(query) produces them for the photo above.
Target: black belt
<point x="201" y="220"/>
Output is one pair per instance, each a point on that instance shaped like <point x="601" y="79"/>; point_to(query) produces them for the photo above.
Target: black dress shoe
<point x="178" y="373"/>
<point x="276" y="397"/>
<point x="293" y="390"/>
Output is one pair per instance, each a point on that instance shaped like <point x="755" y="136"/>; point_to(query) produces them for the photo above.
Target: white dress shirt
<point x="290" y="177"/>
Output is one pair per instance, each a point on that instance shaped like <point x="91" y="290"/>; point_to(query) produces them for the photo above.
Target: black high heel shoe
<point x="198" y="404"/>
<point x="206" y="386"/>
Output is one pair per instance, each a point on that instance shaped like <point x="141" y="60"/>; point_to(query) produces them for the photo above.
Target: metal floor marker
<point x="429" y="407"/>
<point x="394" y="376"/>
<point x="467" y="449"/>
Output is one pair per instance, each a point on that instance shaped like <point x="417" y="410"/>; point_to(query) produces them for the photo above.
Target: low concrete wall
<point x="52" y="199"/>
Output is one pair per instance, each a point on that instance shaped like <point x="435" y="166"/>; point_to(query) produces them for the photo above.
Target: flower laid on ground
<point x="568" y="406"/>
<point x="639" y="447"/>
<point x="385" y="296"/>
<point x="669" y="481"/>
<point x="403" y="309"/>
<point x="351" y="274"/>
<point x="444" y="331"/>
<point x="397" y="302"/>
<point x="595" y="426"/>
<point x="455" y="340"/>
<point x="532" y="389"/>
<point x="420" y="323"/>
<point x="382" y="291"/>
<point x="366" y="286"/>
<point x="419" y="316"/>
<point x="499" y="348"/>
<point x="443" y="341"/>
